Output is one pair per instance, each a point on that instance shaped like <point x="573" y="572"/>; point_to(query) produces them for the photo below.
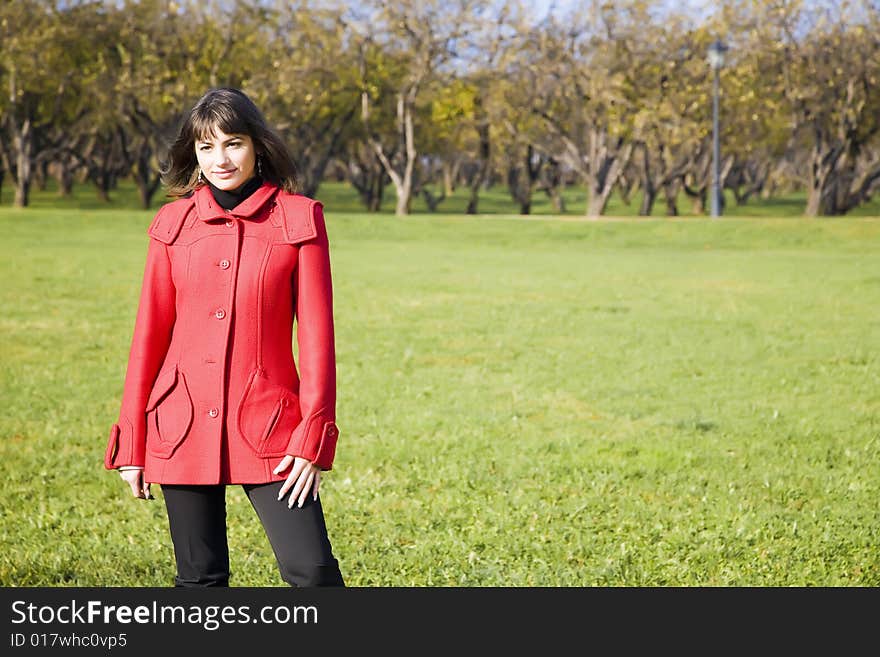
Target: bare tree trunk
<point x="649" y="195"/>
<point x="367" y="175"/>
<point x="522" y="179"/>
<point x="19" y="161"/>
<point x="557" y="200"/>
<point x="431" y="200"/>
<point x="841" y="166"/>
<point x="482" y="175"/>
<point x="404" y="189"/>
<point x="851" y="186"/>
<point x="23" y="143"/>
<point x="824" y="159"/>
<point x="145" y="177"/>
<point x="814" y="202"/>
<point x="698" y="177"/>
<point x="64" y="175"/>
<point x="597" y="202"/>
<point x="670" y="196"/>
<point x="41" y="175"/>
<point x="753" y="176"/>
<point x="138" y="160"/>
<point x="698" y="202"/>
<point x="553" y="184"/>
<point x="402" y="180"/>
<point x="646" y="179"/>
<point x="104" y="158"/>
<point x="450" y="175"/>
<point x="103" y="183"/>
<point x="377" y="192"/>
<point x="605" y="167"/>
<point x="599" y="160"/>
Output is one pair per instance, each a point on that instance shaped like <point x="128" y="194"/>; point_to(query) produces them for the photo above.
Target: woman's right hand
<point x="134" y="477"/>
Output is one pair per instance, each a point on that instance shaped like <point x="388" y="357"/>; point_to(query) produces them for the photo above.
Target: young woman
<point x="212" y="394"/>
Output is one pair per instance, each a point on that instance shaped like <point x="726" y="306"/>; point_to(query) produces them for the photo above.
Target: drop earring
<point x="200" y="179"/>
<point x="259" y="166"/>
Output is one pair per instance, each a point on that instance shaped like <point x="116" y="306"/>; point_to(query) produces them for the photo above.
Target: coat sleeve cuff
<point x="315" y="439"/>
<point x="122" y="448"/>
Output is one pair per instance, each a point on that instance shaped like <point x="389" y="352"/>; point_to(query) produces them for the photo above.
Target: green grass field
<point x="523" y="403"/>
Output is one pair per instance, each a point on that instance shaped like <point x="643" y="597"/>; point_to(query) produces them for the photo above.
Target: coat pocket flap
<point x="164" y="383"/>
<point x="267" y="415"/>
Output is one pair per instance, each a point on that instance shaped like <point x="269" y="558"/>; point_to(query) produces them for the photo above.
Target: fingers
<point x="136" y="482"/>
<point x="293" y="477"/>
<point x="133" y="478"/>
<point x="285" y="463"/>
<point x="304" y="478"/>
<point x="135" y="487"/>
<point x="307" y="486"/>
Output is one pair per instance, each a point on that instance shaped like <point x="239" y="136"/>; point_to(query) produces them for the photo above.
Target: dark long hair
<point x="232" y="112"/>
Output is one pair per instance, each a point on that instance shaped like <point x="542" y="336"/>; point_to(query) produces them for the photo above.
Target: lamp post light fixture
<point x="716" y="60"/>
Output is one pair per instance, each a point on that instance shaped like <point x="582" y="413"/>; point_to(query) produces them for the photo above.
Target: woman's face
<point x="227" y="161"/>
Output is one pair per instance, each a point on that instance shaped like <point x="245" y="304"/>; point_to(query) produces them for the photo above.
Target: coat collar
<point x="208" y="208"/>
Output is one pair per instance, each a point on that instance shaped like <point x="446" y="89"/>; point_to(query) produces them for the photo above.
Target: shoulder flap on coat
<point x="298" y="217"/>
<point x="169" y="219"/>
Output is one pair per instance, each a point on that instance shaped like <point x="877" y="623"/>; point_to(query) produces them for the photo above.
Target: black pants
<point x="298" y="536"/>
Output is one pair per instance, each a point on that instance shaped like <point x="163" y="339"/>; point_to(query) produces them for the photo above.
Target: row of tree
<point x="429" y="96"/>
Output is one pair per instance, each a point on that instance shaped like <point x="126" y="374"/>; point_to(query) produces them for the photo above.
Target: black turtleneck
<point x="231" y="198"/>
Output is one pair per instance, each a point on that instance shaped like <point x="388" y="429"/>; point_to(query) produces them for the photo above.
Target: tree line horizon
<point x="427" y="97"/>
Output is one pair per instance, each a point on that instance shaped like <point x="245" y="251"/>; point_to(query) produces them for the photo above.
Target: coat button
<point x="230" y="223"/>
<point x="224" y="264"/>
<point x="219" y="313"/>
<point x="213" y="412"/>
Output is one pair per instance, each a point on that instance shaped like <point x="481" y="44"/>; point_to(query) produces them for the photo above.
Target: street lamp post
<point x="716" y="61"/>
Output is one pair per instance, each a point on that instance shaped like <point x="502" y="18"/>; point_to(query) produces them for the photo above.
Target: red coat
<point x="212" y="393"/>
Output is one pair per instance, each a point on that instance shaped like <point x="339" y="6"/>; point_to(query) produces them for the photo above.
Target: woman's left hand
<point x="304" y="477"/>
